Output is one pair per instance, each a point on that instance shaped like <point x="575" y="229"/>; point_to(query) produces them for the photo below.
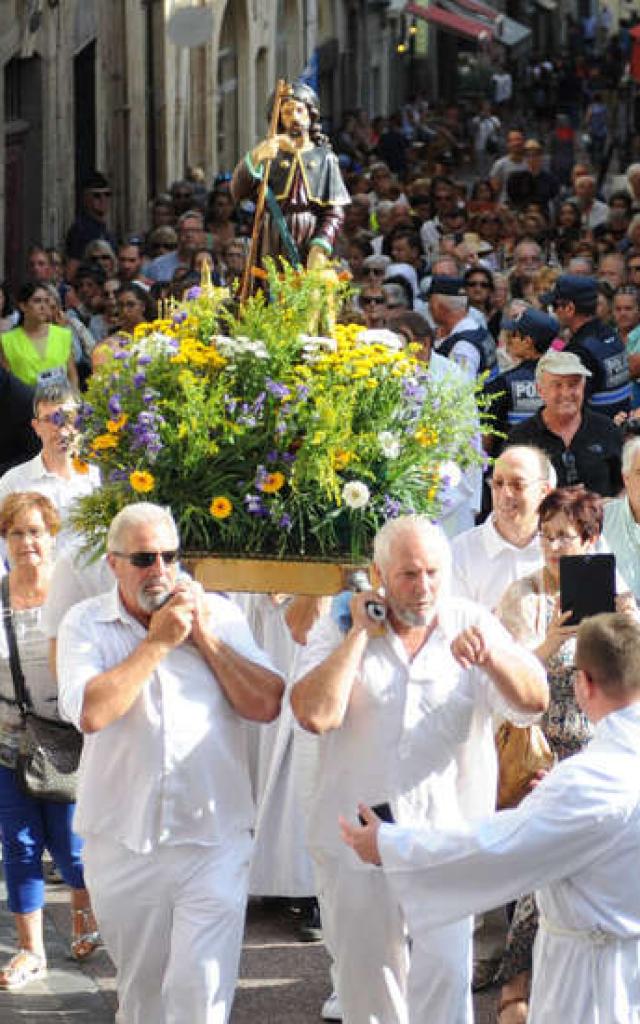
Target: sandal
<point x="83" y="942"/>
<point x="23" y="968"/>
<point x="514" y="1016"/>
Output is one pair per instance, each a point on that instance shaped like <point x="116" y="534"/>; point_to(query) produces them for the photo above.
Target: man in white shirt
<point x="159" y="677"/>
<point x="405" y="717"/>
<point x="574" y="840"/>
<point x="487" y="558"/>
<point x="52" y="471"/>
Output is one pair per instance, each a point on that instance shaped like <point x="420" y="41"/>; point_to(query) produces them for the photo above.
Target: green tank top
<point x="23" y="358"/>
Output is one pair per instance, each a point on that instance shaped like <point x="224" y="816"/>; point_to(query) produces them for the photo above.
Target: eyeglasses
<point x="372" y="300"/>
<point x="570" y="467"/>
<point x="375" y="271"/>
<point x="562" y="540"/>
<point x="478" y="284"/>
<point x="59" y="418"/>
<point x="633" y="268"/>
<point x="145" y="559"/>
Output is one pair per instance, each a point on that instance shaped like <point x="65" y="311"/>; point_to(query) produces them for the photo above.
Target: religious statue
<point x="299" y="176"/>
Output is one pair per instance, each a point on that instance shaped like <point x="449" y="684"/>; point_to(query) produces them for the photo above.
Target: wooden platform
<point x="269" y="576"/>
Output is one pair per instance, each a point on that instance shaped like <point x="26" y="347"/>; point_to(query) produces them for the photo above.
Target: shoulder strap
<point x="22" y="698"/>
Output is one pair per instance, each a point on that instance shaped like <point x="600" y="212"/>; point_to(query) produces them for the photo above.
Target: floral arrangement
<point x="267" y="439"/>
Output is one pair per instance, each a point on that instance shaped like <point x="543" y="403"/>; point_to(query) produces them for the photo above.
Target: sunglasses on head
<point x="145" y="559"/>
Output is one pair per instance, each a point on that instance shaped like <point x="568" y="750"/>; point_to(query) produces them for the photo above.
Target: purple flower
<point x="121" y="355"/>
<point x="288" y="458"/>
<point x="285" y="522"/>
<point x="114" y="406"/>
<point x="195" y="292"/>
<point x="273" y="456"/>
<point x="303" y="392"/>
<point x="255" y="505"/>
<point x="179" y="316"/>
<point x="276" y="389"/>
<point x="391" y="507"/>
<point x="144" y="359"/>
<point x="147" y="396"/>
<point x="414" y="392"/>
<point x="139" y="379"/>
<point x="118" y="474"/>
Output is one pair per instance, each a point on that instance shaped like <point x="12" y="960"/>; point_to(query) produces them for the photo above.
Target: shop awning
<point x="503" y="29"/>
<point x="458" y="24"/>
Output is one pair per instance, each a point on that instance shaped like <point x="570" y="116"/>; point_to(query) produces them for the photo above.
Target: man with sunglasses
<point x="373" y="303"/>
<point x="91" y="222"/>
<point x="584" y="446"/>
<point x="160" y="677"/>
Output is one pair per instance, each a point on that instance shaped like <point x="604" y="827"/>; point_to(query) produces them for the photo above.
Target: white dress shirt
<point x="173" y="769"/>
<point x="485" y="564"/>
<point x="417" y="734"/>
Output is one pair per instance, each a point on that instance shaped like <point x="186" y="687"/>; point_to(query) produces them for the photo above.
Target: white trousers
<point x="172" y="922"/>
<point x="365" y="932"/>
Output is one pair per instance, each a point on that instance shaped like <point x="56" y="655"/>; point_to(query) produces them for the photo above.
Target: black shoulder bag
<point x="49" y="751"/>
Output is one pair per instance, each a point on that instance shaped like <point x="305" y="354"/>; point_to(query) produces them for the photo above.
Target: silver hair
<point x="630" y="449"/>
<point x="633" y="169"/>
<point x="138" y="514"/>
<point x="421" y="526"/>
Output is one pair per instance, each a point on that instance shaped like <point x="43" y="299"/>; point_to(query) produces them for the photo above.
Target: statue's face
<point x="294" y="117"/>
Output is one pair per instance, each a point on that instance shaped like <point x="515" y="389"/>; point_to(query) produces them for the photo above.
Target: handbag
<point x="49" y="751"/>
<point x="521" y="753"/>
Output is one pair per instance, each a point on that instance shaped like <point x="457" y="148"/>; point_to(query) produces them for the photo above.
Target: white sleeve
<point x="496" y="635"/>
<point x="439" y="877"/>
<point x="322" y="641"/>
<point x="231" y="626"/>
<point x="79" y="658"/>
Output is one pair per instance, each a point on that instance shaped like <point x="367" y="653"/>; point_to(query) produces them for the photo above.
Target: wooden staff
<point x="282" y="90"/>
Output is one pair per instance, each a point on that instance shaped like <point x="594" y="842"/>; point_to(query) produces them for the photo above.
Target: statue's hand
<point x="268" y="148"/>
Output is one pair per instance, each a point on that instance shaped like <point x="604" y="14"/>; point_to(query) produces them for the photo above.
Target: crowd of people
<point x="519" y="270"/>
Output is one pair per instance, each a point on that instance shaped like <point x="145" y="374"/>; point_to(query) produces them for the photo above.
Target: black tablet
<point x="587" y="585"/>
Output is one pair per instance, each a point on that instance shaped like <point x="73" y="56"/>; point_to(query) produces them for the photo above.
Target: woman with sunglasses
<point x="478" y="283"/>
<point x="99" y="251"/>
<point x="36" y="345"/>
<point x="29" y="824"/>
<point x="570" y="522"/>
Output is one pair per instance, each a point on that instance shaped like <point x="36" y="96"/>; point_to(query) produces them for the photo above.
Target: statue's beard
<point x="296" y="131"/>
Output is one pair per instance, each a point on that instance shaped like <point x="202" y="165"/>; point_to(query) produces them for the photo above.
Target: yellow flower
<point x="182" y="431"/>
<point x="426" y="437"/>
<point x="79" y="466"/>
<point x="113" y="426"/>
<point x="220" y="508"/>
<point x="271" y="483"/>
<point x="319" y="437"/>
<point x="104" y="441"/>
<point x="341" y="459"/>
<point x="141" y="481"/>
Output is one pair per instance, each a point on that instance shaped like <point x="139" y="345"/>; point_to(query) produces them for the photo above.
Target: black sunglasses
<point x="368" y="300"/>
<point x="145" y="559"/>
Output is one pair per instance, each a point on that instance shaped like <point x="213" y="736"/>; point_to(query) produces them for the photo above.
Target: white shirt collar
<point x="495" y="543"/>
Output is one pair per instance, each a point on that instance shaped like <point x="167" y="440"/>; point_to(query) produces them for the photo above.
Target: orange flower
<point x="79" y="466"/>
<point x="104" y="441"/>
<point x="113" y="426"/>
<point x="141" y="481"/>
<point x="272" y="483"/>
<point x="220" y="507"/>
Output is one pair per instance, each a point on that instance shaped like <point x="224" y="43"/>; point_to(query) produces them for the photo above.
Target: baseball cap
<point x="572" y="288"/>
<point x="565" y="364"/>
<point x="440" y="284"/>
<point x="535" y="324"/>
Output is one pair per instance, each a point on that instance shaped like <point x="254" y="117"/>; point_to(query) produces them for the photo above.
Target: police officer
<point x="514" y="393"/>
<point x="460" y="337"/>
<point x="598" y="345"/>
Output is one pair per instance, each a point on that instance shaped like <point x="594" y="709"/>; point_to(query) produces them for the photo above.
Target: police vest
<point x="522" y="393"/>
<point x="484" y="344"/>
<point x="611" y="383"/>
